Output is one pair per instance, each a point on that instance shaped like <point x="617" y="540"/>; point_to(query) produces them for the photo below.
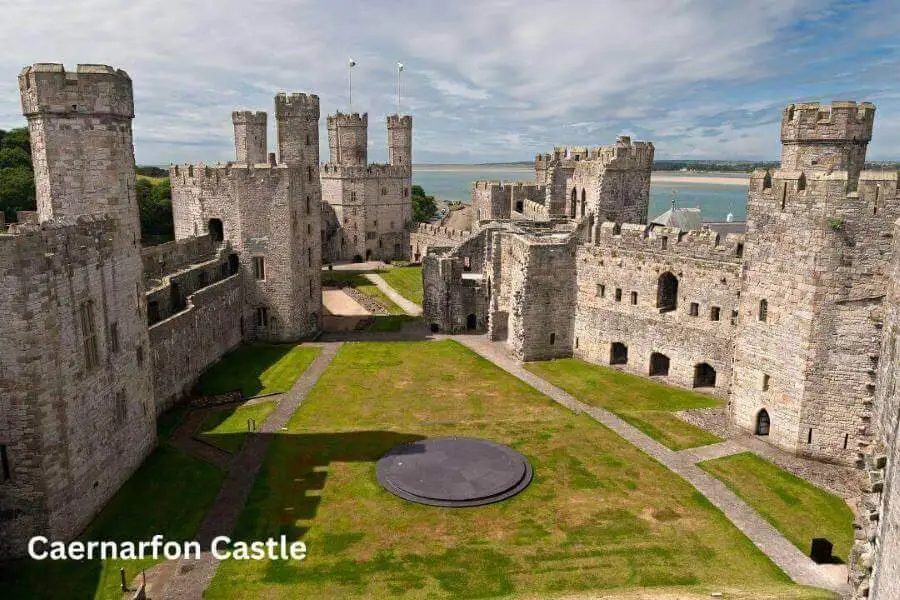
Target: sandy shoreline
<point x="720" y="180"/>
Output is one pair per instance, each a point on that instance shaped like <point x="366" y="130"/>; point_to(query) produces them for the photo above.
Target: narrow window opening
<point x="765" y="382"/>
<point x="633" y="298"/>
<point x="763" y="310"/>
<point x="262" y="316"/>
<point x="665" y="242"/>
<point x="763" y="423"/>
<point x="552" y="338"/>
<point x="846" y="440"/>
<point x="809" y="436"/>
<point x="259" y="267"/>
<point x="695" y="309"/>
<point x="89" y="336"/>
<point x="4" y="464"/>
<point x="601" y="290"/>
<point x="114" y="337"/>
<point x="739" y="251"/>
<point x="618" y="294"/>
<point x="667" y="292"/>
<point x="714" y="312"/>
<point x="121" y="407"/>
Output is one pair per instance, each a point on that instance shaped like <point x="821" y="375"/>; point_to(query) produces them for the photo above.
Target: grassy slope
<point x="406" y="280"/>
<point x="358" y="281"/>
<point x="600" y="514"/>
<point x="645" y="404"/>
<point x="227" y="429"/>
<point x="795" y="507"/>
<point x="152" y="502"/>
<point x="257" y="370"/>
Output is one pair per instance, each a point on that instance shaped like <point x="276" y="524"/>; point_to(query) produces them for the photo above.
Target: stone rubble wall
<point x="426" y="236"/>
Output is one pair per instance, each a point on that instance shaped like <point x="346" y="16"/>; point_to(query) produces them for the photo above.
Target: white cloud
<point x="485" y="80"/>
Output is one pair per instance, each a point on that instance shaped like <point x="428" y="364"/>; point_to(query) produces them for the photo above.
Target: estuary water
<point x="716" y="194"/>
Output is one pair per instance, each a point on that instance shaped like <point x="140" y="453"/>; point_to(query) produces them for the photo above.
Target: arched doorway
<point x="216" y="230"/>
<point x="659" y="365"/>
<point x="435" y="328"/>
<point x="573" y="201"/>
<point x="704" y="376"/>
<point x="618" y="354"/>
<point x="313" y="322"/>
<point x="667" y="292"/>
<point x="471" y="322"/>
<point x="763" y="423"/>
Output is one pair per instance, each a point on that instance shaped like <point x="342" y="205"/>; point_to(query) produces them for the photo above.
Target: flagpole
<point x="350" y="85"/>
<point x="399" y="70"/>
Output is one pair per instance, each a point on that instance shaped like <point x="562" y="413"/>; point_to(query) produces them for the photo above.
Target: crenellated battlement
<point x="90" y="90"/>
<point x="334" y="171"/>
<point x="348" y="120"/>
<point x="824" y="186"/>
<point x="639" y="153"/>
<point x="498" y="185"/>
<point x="296" y="105"/>
<point x="197" y="174"/>
<point x="398" y="121"/>
<point x="249" y="117"/>
<point x="440" y="230"/>
<point x="839" y="121"/>
<point x="703" y="244"/>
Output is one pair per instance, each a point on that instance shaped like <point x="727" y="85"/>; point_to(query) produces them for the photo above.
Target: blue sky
<point x="485" y="80"/>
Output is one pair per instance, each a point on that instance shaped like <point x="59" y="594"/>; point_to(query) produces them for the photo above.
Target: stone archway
<point x="763" y="423"/>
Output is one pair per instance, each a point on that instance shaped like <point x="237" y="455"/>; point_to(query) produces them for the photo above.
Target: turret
<point x="399" y="131"/>
<point x="348" y="139"/>
<point x="817" y="138"/>
<point x="80" y="126"/>
<point x="297" y="120"/>
<point x="250" y="144"/>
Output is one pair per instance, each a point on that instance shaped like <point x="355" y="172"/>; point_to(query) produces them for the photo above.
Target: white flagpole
<point x="350" y="65"/>
<point x="399" y="70"/>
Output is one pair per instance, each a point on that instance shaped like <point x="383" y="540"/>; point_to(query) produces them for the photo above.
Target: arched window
<point x="583" y="200"/>
<point x="763" y="310"/>
<point x="216" y="230"/>
<point x="574" y="199"/>
<point x="667" y="292"/>
<point x="763" y="424"/>
<point x="659" y="364"/>
<point x="618" y="354"/>
<point x="704" y="376"/>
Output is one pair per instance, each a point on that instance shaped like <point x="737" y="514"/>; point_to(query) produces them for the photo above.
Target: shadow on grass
<point x="286" y="496"/>
<point x="246" y="368"/>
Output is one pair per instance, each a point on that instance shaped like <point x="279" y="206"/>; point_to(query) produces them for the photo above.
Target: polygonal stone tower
<point x="250" y="145"/>
<point x="348" y="139"/>
<point x="399" y="131"/>
<point x="297" y="121"/>
<point x="77" y="414"/>
<point x="808" y="341"/>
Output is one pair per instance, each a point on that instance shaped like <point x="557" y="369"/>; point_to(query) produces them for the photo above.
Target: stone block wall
<point x="183" y="345"/>
<point x="426" y="236"/>
<point x="75" y="427"/>
<point x="169" y="257"/>
<point x="618" y="284"/>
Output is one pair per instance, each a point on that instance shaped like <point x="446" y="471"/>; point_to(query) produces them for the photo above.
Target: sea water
<point x="716" y="201"/>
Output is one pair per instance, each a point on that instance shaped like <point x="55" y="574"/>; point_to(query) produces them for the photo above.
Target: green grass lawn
<point x="600" y="515"/>
<point x="645" y="404"/>
<point x="168" y="495"/>
<point x="357" y="280"/>
<point x="795" y="507"/>
<point x="257" y="370"/>
<point x="390" y="322"/>
<point x="406" y="280"/>
<point x="227" y="428"/>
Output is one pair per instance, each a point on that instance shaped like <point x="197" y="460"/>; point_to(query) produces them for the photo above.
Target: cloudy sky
<point x="486" y="80"/>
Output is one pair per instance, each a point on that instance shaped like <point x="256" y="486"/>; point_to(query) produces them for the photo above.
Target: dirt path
<point x="409" y="307"/>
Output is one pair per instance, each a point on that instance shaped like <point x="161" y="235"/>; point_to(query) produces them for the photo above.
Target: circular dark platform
<point x="454" y="472"/>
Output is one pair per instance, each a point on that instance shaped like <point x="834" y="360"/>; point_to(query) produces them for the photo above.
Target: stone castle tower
<point x="808" y="344"/>
<point x="270" y="213"/>
<point x="77" y="414"/>
<point x="368" y="207"/>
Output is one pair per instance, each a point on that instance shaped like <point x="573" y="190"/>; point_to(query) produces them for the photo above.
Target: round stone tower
<point x="250" y="136"/>
<point x="399" y="131"/>
<point x="348" y="139"/>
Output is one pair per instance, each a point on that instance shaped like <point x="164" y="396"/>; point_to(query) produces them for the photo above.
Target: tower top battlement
<point x="296" y="105"/>
<point x="349" y="119"/>
<point x="839" y="121"/>
<point x="249" y="117"/>
<point x="47" y="88"/>
<point x="399" y="121"/>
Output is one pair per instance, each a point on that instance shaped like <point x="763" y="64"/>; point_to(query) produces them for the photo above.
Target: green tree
<point x="16" y="177"/>
<point x="423" y="207"/>
<point x="155" y="203"/>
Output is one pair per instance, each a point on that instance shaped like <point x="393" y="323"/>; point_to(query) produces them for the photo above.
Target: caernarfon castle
<point x="101" y="335"/>
<point x="794" y="318"/>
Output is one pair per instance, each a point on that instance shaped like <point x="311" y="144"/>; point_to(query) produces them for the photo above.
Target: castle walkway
<point x="190" y="578"/>
<point x="782" y="552"/>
